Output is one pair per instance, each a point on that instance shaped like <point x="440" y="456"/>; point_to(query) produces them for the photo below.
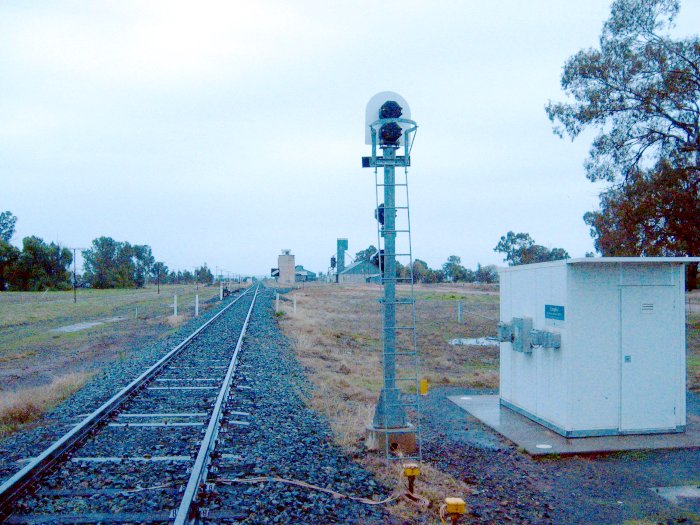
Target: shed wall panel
<point x="534" y="381"/>
<point x="593" y="346"/>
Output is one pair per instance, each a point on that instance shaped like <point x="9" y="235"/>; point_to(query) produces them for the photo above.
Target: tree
<point x="520" y="248"/>
<point x="366" y="254"/>
<point x="159" y="272"/>
<point x="40" y="266"/>
<point x="9" y="255"/>
<point x="434" y="276"/>
<point x="453" y="269"/>
<point x="469" y="276"/>
<point x="114" y="264"/>
<point x="100" y="263"/>
<point x="640" y="90"/>
<point x="513" y="245"/>
<point x="204" y="275"/>
<point x="421" y="270"/>
<point x="655" y="214"/>
<point x="143" y="263"/>
<point x="486" y="274"/>
<point x="403" y="272"/>
<point x="7" y="226"/>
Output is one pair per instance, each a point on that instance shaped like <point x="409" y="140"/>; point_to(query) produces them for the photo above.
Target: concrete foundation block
<point x="401" y="440"/>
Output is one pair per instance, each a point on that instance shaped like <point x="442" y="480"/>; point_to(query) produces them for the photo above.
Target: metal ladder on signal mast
<point x="407" y="358"/>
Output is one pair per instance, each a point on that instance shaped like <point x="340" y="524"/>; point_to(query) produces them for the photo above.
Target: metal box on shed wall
<point x="620" y="325"/>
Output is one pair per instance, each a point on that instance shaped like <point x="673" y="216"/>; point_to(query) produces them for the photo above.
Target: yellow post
<point x="455" y="508"/>
<point x="424" y="387"/>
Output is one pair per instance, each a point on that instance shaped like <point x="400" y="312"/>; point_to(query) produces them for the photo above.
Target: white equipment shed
<point x="596" y="346"/>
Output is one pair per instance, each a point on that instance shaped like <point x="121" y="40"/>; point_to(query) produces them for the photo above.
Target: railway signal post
<point x="390" y="129"/>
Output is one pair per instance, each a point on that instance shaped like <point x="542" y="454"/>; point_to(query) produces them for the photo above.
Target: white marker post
<point x="459" y="312"/>
<point x="277" y="303"/>
<point x="196" y="305"/>
<point x="295" y="305"/>
<point x="175" y="305"/>
<point x="221" y="290"/>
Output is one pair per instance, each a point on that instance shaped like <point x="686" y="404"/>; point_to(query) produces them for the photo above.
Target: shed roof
<point x="363" y="267"/>
<point x="605" y="260"/>
<point x="654" y="260"/>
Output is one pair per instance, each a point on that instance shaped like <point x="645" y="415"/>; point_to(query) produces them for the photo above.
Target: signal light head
<point x="389" y="134"/>
<point x="390" y="109"/>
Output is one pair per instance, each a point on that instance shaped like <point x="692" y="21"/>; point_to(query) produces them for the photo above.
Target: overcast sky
<point x="223" y="132"/>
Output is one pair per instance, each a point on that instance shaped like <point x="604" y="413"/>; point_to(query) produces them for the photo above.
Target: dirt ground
<point x="335" y="330"/>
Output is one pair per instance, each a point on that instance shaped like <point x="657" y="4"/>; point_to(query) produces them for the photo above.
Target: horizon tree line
<point x="39" y="266"/>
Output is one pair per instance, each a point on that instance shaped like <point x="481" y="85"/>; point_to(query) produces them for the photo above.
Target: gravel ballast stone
<point x="267" y="431"/>
<point x="285" y="439"/>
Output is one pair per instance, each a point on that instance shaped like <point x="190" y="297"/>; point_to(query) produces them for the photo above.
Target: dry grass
<point x="335" y="332"/>
<point x="174" y="321"/>
<point x="22" y="308"/>
<point x="33" y="354"/>
<point x="25" y="406"/>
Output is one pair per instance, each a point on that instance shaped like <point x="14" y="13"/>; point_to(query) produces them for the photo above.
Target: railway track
<point x="144" y="456"/>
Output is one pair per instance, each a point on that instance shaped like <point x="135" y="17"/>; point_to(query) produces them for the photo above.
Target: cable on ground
<point x="304" y="484"/>
<point x="143" y="489"/>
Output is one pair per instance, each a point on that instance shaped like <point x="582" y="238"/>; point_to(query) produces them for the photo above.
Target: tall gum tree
<point x="641" y="91"/>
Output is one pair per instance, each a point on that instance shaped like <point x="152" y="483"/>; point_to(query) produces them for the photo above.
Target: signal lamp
<point x="390" y="109"/>
<point x="389" y="134"/>
<point x="379" y="214"/>
<point x="378" y="260"/>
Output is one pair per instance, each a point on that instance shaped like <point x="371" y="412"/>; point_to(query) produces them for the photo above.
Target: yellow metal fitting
<point x="424" y="387"/>
<point x="411" y="470"/>
<point x="455" y="506"/>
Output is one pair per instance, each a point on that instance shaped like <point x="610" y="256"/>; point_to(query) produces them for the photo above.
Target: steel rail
<point x="15" y="487"/>
<point x="201" y="464"/>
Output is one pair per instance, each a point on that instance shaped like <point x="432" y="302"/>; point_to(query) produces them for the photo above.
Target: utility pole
<point x="75" y="281"/>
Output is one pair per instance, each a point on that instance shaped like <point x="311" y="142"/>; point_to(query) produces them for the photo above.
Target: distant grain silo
<point x="285" y="263"/>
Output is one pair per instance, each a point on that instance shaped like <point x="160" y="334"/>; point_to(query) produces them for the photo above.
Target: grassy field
<point x="336" y="331"/>
<point x="40" y="365"/>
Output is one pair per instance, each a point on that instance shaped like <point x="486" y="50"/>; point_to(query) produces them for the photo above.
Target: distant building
<point x="360" y="272"/>
<point x="285" y="265"/>
<point x="302" y="275"/>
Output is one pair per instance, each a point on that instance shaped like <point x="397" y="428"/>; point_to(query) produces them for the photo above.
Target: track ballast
<point x="165" y="456"/>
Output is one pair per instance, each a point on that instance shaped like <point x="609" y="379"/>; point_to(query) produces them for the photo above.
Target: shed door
<point x="649" y="358"/>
